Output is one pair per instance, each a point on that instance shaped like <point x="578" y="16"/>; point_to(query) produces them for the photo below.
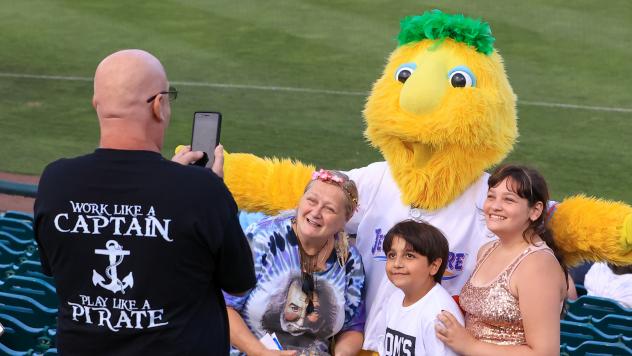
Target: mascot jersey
<point x="380" y="207"/>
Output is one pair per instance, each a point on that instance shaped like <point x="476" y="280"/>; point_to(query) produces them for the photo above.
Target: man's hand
<point x="185" y="156"/>
<point x="218" y="164"/>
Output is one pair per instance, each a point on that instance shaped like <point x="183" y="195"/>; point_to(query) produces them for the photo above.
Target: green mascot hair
<point x="435" y="25"/>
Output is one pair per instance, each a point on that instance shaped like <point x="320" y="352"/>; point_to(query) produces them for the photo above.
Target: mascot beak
<point x="425" y="88"/>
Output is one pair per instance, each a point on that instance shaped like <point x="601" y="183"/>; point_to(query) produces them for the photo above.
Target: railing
<point x="12" y="188"/>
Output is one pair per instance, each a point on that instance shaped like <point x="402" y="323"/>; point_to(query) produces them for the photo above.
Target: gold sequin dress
<point x="492" y="313"/>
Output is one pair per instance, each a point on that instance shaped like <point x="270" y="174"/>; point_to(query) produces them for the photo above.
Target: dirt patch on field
<point x="14" y="202"/>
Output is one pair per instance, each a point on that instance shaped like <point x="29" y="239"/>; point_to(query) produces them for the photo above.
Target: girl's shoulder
<point x="537" y="260"/>
<point x="486" y="247"/>
<point x="537" y="268"/>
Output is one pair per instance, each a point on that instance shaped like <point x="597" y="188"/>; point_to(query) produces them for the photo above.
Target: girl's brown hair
<point x="529" y="184"/>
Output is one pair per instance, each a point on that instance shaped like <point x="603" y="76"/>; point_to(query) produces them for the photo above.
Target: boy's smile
<point x="410" y="271"/>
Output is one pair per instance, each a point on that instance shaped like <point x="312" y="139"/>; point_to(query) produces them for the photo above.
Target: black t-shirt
<point x="140" y="248"/>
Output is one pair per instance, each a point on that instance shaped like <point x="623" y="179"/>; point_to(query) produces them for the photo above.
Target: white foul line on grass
<point x="309" y="90"/>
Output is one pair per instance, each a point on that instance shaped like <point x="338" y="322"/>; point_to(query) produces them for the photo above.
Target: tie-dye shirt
<point x="278" y="305"/>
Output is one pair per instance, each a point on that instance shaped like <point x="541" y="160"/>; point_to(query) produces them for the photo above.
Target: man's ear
<point x="434" y="266"/>
<point x="156" y="108"/>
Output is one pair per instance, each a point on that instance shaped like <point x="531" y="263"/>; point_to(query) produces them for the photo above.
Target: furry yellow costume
<point x="441" y="114"/>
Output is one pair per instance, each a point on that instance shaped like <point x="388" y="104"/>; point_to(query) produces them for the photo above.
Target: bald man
<point x="140" y="247"/>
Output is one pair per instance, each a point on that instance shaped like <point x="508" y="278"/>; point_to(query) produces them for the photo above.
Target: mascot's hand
<point x="591" y="229"/>
<point x="266" y="185"/>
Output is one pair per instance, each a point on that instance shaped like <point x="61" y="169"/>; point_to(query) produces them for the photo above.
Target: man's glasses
<point x="173" y="94"/>
<point x="308" y="289"/>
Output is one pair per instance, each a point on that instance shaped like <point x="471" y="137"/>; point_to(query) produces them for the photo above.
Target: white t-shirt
<point x="600" y="281"/>
<point x="380" y="208"/>
<point x="411" y="330"/>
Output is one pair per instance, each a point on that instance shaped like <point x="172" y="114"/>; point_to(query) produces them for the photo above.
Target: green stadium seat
<point x="33" y="269"/>
<point x="35" y="288"/>
<point x="28" y="258"/>
<point x="595" y="307"/>
<point x="577" y="318"/>
<point x="17" y="244"/>
<point x="19" y="228"/>
<point x="27" y="310"/>
<point x="615" y="325"/>
<point x="12" y="238"/>
<point x="573" y="333"/>
<point x="581" y="290"/>
<point x="21" y="337"/>
<point x="564" y="350"/>
<point x="19" y="215"/>
<point x="4" y="350"/>
<point x="9" y="255"/>
<point x="5" y="267"/>
<point x="598" y="348"/>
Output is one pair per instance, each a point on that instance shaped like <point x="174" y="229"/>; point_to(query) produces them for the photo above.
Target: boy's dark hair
<point x="424" y="239"/>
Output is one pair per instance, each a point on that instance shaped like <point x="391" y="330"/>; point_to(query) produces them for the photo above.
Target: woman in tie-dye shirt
<point x="310" y="282"/>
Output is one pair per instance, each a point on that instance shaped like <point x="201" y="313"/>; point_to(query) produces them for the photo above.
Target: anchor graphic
<point x="115" y="253"/>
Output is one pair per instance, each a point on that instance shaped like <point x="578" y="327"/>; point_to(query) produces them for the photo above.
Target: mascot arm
<point x="266" y="185"/>
<point x="592" y="229"/>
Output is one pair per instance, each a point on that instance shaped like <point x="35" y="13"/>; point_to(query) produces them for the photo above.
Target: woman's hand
<point x="453" y="334"/>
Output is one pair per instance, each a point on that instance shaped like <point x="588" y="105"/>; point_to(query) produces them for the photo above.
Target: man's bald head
<point x="123" y="82"/>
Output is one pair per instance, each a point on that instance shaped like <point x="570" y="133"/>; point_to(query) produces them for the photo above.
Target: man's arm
<point x="235" y="267"/>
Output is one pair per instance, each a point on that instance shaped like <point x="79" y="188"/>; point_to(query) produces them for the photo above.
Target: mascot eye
<point x="404" y="71"/>
<point x="462" y="77"/>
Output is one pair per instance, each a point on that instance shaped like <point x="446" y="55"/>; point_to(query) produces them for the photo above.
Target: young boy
<point x="416" y="257"/>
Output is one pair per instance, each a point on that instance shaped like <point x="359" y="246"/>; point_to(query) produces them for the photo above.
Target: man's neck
<point x="128" y="137"/>
<point x="129" y="145"/>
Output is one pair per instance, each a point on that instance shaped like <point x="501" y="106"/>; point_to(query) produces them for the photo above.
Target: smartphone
<point x="205" y="136"/>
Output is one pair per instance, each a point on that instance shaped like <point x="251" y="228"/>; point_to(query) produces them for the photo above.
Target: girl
<point x="513" y="300"/>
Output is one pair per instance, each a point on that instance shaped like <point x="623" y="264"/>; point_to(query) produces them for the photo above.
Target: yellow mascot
<point x="442" y="113"/>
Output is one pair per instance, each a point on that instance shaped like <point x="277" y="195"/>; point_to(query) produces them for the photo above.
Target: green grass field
<point x="230" y="56"/>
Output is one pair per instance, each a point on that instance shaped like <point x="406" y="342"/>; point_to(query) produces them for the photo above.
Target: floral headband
<point x="327" y="177"/>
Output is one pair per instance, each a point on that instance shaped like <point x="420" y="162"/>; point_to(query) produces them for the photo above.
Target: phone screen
<point x="206" y="127"/>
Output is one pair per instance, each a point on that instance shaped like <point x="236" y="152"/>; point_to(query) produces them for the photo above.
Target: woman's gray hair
<point x="347" y="185"/>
